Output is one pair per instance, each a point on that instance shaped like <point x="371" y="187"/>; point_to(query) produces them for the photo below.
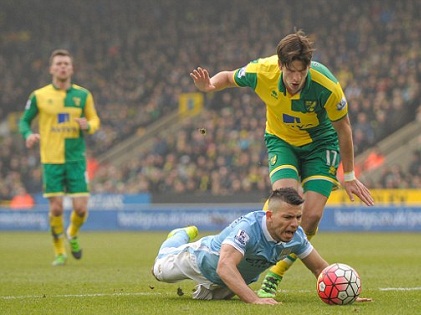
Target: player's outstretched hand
<point x="355" y="187"/>
<point x="201" y="80"/>
<point x="266" y="301"/>
<point x="361" y="299"/>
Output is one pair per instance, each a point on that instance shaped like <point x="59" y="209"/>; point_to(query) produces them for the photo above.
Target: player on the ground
<point x="223" y="265"/>
<point x="308" y="131"/>
<point x="66" y="112"/>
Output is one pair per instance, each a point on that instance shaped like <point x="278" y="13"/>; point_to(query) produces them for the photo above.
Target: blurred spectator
<point x="363" y="133"/>
<point x="138" y="65"/>
<point x="414" y="167"/>
<point x="22" y="199"/>
<point x="394" y="177"/>
<point x="92" y="165"/>
<point x="374" y="160"/>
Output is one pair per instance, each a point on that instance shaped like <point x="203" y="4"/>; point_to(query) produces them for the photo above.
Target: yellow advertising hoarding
<point x="407" y="197"/>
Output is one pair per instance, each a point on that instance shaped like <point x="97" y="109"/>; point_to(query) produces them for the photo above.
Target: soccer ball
<point x="338" y="284"/>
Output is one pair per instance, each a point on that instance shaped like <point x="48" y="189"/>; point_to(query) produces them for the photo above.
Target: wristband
<point x="349" y="177"/>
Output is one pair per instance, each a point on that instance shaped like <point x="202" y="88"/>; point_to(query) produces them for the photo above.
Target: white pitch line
<point x="75" y="295"/>
<point x="400" y="289"/>
<point x="41" y="296"/>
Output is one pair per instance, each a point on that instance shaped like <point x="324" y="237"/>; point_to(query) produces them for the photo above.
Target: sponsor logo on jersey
<point x="65" y="129"/>
<point x="290" y="119"/>
<point x="63" y="117"/>
<point x="258" y="262"/>
<point x="295" y="122"/>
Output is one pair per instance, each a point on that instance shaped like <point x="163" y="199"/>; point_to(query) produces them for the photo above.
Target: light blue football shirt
<point x="249" y="235"/>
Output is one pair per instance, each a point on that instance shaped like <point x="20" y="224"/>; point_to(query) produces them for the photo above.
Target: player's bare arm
<point x="220" y="81"/>
<point x="227" y="269"/>
<point x="351" y="184"/>
<point x="315" y="263"/>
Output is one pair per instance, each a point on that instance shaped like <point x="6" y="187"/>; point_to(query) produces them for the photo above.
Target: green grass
<point x="114" y="277"/>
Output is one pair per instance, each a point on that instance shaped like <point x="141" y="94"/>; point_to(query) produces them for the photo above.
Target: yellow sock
<point x="283" y="265"/>
<point x="57" y="227"/>
<point x="76" y="222"/>
<point x="310" y="236"/>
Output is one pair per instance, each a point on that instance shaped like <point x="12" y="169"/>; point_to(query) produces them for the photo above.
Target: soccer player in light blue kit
<point x="223" y="265"/>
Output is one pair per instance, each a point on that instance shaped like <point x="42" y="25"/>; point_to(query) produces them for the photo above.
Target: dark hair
<point x="59" y="52"/>
<point x="288" y="195"/>
<point x="293" y="47"/>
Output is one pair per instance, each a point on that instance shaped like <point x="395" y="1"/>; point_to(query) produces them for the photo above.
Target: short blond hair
<point x="60" y="52"/>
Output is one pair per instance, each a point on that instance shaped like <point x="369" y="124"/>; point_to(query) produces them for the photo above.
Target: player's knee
<point x="310" y="223"/>
<point x="56" y="205"/>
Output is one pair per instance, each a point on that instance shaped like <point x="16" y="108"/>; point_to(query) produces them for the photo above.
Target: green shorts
<point x="68" y="178"/>
<point x="314" y="164"/>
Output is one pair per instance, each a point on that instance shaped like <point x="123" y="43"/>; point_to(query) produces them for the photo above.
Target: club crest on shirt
<point x="341" y="104"/>
<point x="241" y="238"/>
<point x="310" y="105"/>
<point x="76" y="101"/>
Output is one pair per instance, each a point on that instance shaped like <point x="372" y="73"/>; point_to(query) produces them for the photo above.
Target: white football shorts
<point x="179" y="263"/>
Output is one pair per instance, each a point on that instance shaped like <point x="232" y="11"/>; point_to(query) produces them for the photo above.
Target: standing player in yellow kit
<point x="307" y="131"/>
<point x="66" y="113"/>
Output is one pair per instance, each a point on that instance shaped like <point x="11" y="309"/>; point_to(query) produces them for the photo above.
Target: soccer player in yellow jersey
<point x="307" y="134"/>
<point x="66" y="113"/>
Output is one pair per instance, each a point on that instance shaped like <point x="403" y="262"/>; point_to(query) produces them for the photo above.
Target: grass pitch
<point x="113" y="277"/>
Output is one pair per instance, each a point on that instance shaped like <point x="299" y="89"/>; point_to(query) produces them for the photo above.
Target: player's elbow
<point x="222" y="269"/>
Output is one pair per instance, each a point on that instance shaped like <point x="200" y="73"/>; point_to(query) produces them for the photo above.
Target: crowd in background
<point x="135" y="56"/>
